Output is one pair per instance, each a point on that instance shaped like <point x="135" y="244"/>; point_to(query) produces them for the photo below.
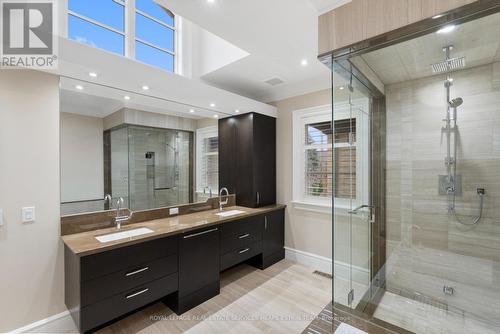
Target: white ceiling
<point x="277" y="35"/>
<point x="172" y="93"/>
<point x="323" y="6"/>
<point x="101" y="101"/>
<point x="478" y="41"/>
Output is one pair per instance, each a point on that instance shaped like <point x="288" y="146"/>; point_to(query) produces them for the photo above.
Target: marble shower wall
<point x="427" y="248"/>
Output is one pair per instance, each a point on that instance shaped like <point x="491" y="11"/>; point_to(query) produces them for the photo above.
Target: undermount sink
<point x="229" y="213"/>
<point x="123" y="234"/>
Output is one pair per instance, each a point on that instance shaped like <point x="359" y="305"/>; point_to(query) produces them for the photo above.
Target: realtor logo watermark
<point x="28" y="34"/>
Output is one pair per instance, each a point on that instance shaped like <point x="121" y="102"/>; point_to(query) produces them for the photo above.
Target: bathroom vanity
<point x="178" y="262"/>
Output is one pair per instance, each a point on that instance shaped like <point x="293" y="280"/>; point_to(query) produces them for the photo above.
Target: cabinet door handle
<point x="200" y="233"/>
<point x="243" y="250"/>
<point x="246" y="235"/>
<point x="136" y="271"/>
<point x="137" y="293"/>
<point x="265" y="222"/>
<point x="258" y="198"/>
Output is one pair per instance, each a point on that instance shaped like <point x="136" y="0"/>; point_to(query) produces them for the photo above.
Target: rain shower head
<point x="455" y="103"/>
<point x="449" y="65"/>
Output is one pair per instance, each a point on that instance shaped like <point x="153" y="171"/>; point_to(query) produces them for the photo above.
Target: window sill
<point x="312" y="207"/>
<point x="341" y="210"/>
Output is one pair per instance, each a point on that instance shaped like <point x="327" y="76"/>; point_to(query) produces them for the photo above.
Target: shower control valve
<point x="481" y="191"/>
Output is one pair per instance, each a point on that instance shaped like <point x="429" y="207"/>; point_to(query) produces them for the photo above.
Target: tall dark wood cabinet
<point x="247" y="158"/>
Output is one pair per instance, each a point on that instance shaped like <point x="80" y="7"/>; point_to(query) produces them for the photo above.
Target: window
<point x="99" y="24"/>
<point x="327" y="162"/>
<point x="207" y="159"/>
<point x="149" y="38"/>
<point x="154" y="35"/>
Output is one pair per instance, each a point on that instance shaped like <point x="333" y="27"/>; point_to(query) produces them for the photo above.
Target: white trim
<point x="202" y="133"/>
<point x="358" y="109"/>
<point x="312" y="207"/>
<point x="39" y="323"/>
<point x="314" y="261"/>
<point x="324" y="264"/>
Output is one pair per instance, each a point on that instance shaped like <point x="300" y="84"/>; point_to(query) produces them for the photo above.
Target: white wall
<point x="203" y="52"/>
<point x="82" y="166"/>
<point x="304" y="231"/>
<point x="31" y="257"/>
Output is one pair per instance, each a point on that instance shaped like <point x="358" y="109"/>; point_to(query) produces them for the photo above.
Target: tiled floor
<point x="284" y="298"/>
<point x="426" y="319"/>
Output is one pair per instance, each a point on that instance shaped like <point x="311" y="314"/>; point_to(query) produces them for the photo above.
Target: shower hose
<point x="480" y="193"/>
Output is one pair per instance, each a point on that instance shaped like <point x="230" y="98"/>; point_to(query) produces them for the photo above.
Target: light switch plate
<point x="173" y="211"/>
<point x="28" y="214"/>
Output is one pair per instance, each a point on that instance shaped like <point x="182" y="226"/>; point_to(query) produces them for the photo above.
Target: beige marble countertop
<point x="85" y="243"/>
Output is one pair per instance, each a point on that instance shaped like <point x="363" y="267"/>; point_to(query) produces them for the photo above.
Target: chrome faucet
<point x="120" y="219"/>
<point x="109" y="199"/>
<point x="220" y="198"/>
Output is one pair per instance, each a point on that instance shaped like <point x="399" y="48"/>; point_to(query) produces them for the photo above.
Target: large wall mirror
<point x="148" y="151"/>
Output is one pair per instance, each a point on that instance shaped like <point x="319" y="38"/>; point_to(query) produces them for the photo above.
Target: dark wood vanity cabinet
<point x="247" y="158"/>
<point x="273" y="238"/>
<point x="183" y="270"/>
<point x="198" y="269"/>
<point x="258" y="240"/>
<point x="103" y="286"/>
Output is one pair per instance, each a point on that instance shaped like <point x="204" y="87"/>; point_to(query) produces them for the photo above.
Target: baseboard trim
<point x="314" y="261"/>
<point x="39" y="323"/>
<point x="324" y="264"/>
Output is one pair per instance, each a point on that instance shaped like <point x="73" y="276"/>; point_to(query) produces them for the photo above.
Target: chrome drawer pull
<point x="244" y="251"/>
<point x="137" y="293"/>
<point x="246" y="235"/>
<point x="200" y="233"/>
<point x="136" y="271"/>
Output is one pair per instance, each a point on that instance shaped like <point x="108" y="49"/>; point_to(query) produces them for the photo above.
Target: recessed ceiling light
<point x="93" y="74"/>
<point x="447" y="29"/>
<point x="304" y="62"/>
<point x="237" y="111"/>
<point x="212" y="105"/>
<point x="216" y="116"/>
<point x="191" y="110"/>
<point x="79" y="87"/>
<point x="145" y="87"/>
<point x="126" y="97"/>
<point x="437" y="16"/>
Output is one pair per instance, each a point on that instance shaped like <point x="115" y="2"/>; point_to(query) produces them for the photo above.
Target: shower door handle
<point x="372" y="211"/>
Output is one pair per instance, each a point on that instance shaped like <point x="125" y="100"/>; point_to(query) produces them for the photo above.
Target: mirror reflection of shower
<point x="451" y="183"/>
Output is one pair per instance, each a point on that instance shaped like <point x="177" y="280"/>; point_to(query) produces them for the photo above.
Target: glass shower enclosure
<point x="417" y="192"/>
<point x="148" y="167"/>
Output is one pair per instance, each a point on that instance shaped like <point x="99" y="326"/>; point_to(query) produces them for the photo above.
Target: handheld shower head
<point x="455" y="103"/>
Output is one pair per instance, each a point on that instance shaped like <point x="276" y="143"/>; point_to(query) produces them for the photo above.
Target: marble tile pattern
<point x="426" y="247"/>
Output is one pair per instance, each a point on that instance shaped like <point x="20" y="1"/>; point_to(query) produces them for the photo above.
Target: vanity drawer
<point x="96" y="265"/>
<point x="240" y="255"/>
<point x="240" y="240"/>
<point x="113" y="307"/>
<point x="123" y="280"/>
<point x="231" y="228"/>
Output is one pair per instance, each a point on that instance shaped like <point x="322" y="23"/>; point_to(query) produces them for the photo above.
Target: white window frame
<point x="129" y="31"/>
<point x="201" y="134"/>
<point x="358" y="110"/>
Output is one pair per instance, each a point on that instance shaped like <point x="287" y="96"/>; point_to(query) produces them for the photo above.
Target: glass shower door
<point x="353" y="212"/>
